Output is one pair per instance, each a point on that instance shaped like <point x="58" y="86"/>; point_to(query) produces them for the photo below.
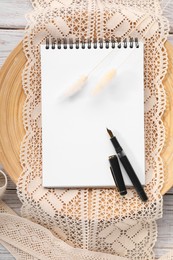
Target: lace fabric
<point x="96" y="219"/>
<point x="151" y="6"/>
<point x="27" y="240"/>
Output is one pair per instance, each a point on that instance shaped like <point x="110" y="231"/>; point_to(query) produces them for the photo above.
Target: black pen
<point x="128" y="167"/>
<point x="117" y="175"/>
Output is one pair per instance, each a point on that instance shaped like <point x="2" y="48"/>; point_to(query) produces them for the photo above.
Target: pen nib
<point x="110" y="132"/>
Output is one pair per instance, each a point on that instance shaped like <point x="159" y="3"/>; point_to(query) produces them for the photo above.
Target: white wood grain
<point x="10" y="184"/>
<point x="10" y="197"/>
<point x="170" y="192"/>
<point x="8" y="41"/>
<point x="165" y="228"/>
<point x="4" y="254"/>
<point x="12" y="13"/>
<point x="167" y="7"/>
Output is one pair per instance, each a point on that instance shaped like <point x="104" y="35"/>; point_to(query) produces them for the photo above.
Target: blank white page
<point x="76" y="145"/>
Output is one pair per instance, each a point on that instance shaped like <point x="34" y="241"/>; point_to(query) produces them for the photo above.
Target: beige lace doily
<point x="96" y="219"/>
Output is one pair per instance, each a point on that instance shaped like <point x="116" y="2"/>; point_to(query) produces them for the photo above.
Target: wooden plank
<point x="11" y="199"/>
<point x="167" y="7"/>
<point x="12" y="14"/>
<point x="165" y="228"/>
<point x="170" y="192"/>
<point x="4" y="254"/>
<point x="11" y="185"/>
<point x="8" y="41"/>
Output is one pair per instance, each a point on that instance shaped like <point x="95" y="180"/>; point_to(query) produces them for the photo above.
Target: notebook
<point x="75" y="142"/>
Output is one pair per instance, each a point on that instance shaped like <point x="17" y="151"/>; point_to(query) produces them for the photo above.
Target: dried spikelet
<point x="76" y="87"/>
<point x="104" y="81"/>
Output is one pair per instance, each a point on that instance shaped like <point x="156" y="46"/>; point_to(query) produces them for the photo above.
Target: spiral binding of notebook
<point x="65" y="43"/>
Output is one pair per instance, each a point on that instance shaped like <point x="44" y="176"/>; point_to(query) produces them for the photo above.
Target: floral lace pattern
<point x="96" y="219"/>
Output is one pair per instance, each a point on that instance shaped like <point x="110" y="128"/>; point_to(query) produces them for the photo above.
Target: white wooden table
<point x="12" y="24"/>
